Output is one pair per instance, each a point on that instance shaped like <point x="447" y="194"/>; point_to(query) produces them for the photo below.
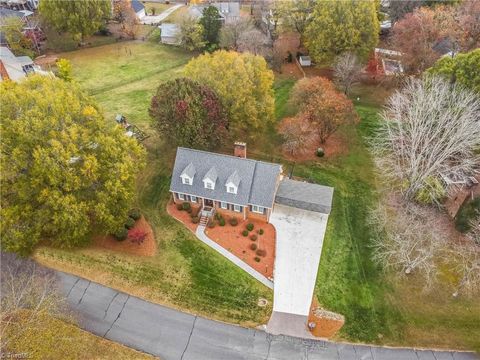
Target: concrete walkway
<point x="155" y="19"/>
<point x="200" y="233"/>
<point x="174" y="335"/>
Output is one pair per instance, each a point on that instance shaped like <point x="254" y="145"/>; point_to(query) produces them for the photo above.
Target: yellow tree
<point x="244" y="84"/>
<point x="340" y="26"/>
<point x="65" y="172"/>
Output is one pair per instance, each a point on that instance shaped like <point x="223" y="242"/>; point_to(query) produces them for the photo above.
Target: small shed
<point x="169" y="34"/>
<point x="305" y="60"/>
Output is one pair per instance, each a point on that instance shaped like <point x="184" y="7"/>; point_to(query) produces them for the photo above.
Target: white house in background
<point x="16" y="68"/>
<point x="229" y="11"/>
<point x="169" y="34"/>
<point x="139" y="8"/>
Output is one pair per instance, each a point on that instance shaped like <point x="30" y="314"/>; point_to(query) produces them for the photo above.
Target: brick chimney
<point x="240" y="149"/>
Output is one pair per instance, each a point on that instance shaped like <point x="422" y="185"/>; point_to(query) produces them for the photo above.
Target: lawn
<point x="159" y="7"/>
<point x="123" y="77"/>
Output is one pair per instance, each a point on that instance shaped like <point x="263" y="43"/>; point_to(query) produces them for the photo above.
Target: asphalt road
<point x="173" y="335"/>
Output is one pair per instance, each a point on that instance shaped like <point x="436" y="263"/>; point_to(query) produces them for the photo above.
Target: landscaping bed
<point x="181" y="215"/>
<point x="232" y="238"/>
<point x="147" y="247"/>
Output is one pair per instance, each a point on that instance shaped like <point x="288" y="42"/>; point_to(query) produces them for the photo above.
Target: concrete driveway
<point x="299" y="240"/>
<point x="173" y="335"/>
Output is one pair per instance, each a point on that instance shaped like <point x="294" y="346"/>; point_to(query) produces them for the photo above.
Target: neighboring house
<point x="16" y="68"/>
<point x="139" y="8"/>
<point x="229" y="11"/>
<point x="169" y="34"/>
<point x="20" y="4"/>
<point x="387" y="62"/>
<point x="237" y="186"/>
<point x="305" y="60"/>
<point x="31" y="28"/>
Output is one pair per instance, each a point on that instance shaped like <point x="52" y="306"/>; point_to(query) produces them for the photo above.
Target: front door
<point x="208" y="202"/>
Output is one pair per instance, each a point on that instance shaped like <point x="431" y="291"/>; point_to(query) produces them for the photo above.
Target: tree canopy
<point x="244" y="84"/>
<point x="79" y="18"/>
<point x="188" y="114"/>
<point x="340" y="26"/>
<point x="463" y="69"/>
<point x="65" y="172"/>
<point x="296" y="15"/>
<point x="211" y="23"/>
<point x="191" y="34"/>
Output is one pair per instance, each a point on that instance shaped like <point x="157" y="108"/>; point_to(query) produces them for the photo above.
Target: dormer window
<point x="232" y="183"/>
<point x="210" y="178"/>
<point x="188" y="174"/>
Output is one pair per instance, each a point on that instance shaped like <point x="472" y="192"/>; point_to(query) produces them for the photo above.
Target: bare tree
<point x="230" y="33"/>
<point x="297" y="134"/>
<point x="430" y="134"/>
<point x="253" y="41"/>
<point x="28" y="292"/>
<point x="346" y="71"/>
<point x="407" y="241"/>
<point x="466" y="259"/>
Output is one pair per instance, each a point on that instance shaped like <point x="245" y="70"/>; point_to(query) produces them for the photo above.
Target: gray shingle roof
<point x="137" y="6"/>
<point x="257" y="179"/>
<point x="189" y="171"/>
<point x="305" y="196"/>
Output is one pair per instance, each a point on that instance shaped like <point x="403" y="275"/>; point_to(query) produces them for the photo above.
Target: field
<point x="187" y="275"/>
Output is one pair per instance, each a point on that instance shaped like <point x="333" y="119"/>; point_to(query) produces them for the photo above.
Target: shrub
<point x="179" y="207"/>
<point x="211" y="224"/>
<point x="320" y="152"/>
<point x="253" y="246"/>
<point x="137" y="236"/>
<point x="130" y="223"/>
<point x="466" y="214"/>
<point x="261" y="252"/>
<point x="135" y="214"/>
<point x="233" y="221"/>
<point x="195" y="219"/>
<point x="221" y="222"/>
<point x="189" y="210"/>
<point x="256" y="258"/>
<point x="245" y="233"/>
<point x="253" y="237"/>
<point x="121" y="234"/>
<point x="260" y="232"/>
<point x="218" y="216"/>
<point x="249" y="226"/>
<point x="186" y="206"/>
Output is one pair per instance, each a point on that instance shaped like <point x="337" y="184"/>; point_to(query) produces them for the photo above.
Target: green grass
<point x="123" y="77"/>
<point x="159" y="8"/>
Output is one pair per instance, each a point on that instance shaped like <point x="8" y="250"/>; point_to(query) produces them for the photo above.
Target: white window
<point x="186" y="181"/>
<point x="181" y="196"/>
<point x="257" y="209"/>
<point x="237" y="208"/>
<point x="223" y="205"/>
<point x="193" y="198"/>
<point x="208" y="185"/>
<point x="231" y="189"/>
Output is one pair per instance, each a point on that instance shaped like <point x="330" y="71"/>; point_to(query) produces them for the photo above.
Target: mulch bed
<point x="327" y="323"/>
<point x="231" y="238"/>
<point x="335" y="145"/>
<point x="147" y="248"/>
<point x="182" y="216"/>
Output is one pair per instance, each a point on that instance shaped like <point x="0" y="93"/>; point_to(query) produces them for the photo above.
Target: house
<point x="238" y="186"/>
<point x="169" y="34"/>
<point x="229" y="11"/>
<point x="16" y="68"/>
<point x="139" y="8"/>
<point x="20" y="4"/>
